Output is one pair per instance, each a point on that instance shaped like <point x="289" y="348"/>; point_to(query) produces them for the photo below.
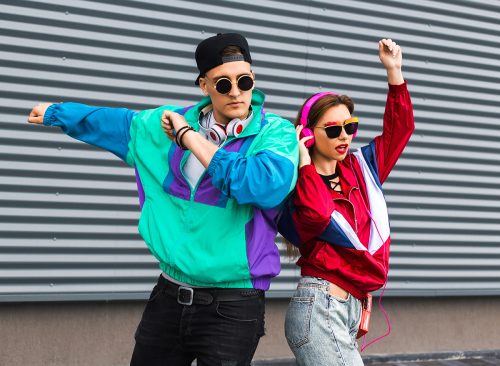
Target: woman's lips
<point x="342" y="149"/>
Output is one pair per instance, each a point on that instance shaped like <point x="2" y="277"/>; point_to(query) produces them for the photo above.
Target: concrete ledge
<point x="101" y="333"/>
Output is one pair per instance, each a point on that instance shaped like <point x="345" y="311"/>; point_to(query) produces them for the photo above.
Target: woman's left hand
<point x="304" y="157"/>
<point x="390" y="54"/>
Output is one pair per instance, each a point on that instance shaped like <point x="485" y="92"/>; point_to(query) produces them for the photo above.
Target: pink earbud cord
<point x="365" y="345"/>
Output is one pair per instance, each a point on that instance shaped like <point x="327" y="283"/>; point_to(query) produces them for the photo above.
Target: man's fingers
<point x="167" y="125"/>
<point x="165" y="117"/>
<point x="166" y="122"/>
<point x="35" y="118"/>
<point x="37" y="113"/>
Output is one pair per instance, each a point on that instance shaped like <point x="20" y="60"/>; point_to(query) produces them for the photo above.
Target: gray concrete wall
<point x="99" y="333"/>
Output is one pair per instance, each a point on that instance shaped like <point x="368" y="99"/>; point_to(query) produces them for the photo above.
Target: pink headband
<point x="307" y="107"/>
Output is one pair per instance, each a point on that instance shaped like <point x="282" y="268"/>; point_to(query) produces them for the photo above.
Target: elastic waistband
<point x="206" y="295"/>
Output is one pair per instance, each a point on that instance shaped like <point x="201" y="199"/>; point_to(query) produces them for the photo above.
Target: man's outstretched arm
<point x="107" y="128"/>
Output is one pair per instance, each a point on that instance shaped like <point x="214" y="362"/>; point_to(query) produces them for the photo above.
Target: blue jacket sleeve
<point x="267" y="175"/>
<point x="107" y="128"/>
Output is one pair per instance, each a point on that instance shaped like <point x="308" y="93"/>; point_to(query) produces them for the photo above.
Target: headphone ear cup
<point x="217" y="134"/>
<point x="235" y="127"/>
<point x="306" y="132"/>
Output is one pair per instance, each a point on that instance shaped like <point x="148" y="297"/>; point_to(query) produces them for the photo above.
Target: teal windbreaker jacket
<point x="220" y="233"/>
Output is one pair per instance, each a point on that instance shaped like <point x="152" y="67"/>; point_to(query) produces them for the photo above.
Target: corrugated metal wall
<point x="69" y="212"/>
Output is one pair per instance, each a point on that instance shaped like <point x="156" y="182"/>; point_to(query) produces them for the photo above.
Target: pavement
<point x="466" y="358"/>
<point x="449" y="359"/>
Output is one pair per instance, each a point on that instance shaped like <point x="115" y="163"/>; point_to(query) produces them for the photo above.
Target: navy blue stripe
<point x="334" y="235"/>
<point x="285" y="223"/>
<point x="370" y="156"/>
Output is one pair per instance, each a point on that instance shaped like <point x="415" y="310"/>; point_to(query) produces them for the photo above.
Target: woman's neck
<point x="323" y="166"/>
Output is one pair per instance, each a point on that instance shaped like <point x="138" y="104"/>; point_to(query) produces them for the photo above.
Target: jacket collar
<point x="253" y="128"/>
<point x="348" y="180"/>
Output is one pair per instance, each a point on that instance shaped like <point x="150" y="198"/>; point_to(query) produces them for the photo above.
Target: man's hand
<point x="203" y="149"/>
<point x="391" y="56"/>
<point x="38" y="112"/>
<point x="171" y="122"/>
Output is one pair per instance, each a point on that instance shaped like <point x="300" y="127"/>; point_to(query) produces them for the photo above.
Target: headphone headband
<point x="310" y="102"/>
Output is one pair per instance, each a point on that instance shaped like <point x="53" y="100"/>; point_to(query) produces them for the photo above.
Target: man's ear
<point x="203" y="86"/>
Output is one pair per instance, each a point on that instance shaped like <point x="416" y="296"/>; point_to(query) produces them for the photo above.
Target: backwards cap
<point x="209" y="52"/>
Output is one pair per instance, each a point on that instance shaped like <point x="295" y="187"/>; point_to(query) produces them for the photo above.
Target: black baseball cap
<point x="209" y="52"/>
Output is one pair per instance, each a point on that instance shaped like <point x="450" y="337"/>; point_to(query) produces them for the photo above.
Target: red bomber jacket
<point x="326" y="251"/>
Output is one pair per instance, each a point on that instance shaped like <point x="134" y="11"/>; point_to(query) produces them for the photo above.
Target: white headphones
<point x="218" y="133"/>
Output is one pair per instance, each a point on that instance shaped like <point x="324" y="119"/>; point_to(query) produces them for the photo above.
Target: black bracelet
<point x="181" y="136"/>
<point x="183" y="147"/>
<point x="177" y="134"/>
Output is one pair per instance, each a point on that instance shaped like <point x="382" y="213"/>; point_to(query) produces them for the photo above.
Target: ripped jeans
<point x="320" y="328"/>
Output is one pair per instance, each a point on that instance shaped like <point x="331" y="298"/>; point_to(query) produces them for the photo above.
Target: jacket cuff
<point x="398" y="88"/>
<point x="49" y="117"/>
<point x="214" y="162"/>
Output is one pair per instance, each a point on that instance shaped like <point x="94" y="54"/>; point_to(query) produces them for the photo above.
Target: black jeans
<point x="222" y="333"/>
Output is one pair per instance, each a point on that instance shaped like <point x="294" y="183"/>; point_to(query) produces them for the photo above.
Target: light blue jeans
<point x="320" y="328"/>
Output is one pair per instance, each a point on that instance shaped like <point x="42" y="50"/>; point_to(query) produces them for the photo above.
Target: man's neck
<point x="223" y="120"/>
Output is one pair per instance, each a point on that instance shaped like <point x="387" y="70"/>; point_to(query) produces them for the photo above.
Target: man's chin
<point x="241" y="114"/>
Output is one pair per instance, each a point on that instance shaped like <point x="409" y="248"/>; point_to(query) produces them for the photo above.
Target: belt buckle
<point x="185" y="295"/>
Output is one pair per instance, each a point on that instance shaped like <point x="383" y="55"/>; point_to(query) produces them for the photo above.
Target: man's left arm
<point x="264" y="178"/>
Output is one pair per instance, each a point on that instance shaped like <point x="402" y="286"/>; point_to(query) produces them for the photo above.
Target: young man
<point x="211" y="178"/>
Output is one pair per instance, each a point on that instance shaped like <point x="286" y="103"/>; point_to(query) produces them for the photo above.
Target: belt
<point x="205" y="296"/>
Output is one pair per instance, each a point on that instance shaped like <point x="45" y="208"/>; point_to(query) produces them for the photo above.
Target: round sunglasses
<point x="224" y="84"/>
<point x="333" y="131"/>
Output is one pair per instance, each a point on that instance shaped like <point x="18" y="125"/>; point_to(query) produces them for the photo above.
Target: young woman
<point x="337" y="217"/>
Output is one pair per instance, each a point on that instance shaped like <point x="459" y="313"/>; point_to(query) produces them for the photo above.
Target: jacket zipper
<point x="182" y="163"/>
<point x="353" y="208"/>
